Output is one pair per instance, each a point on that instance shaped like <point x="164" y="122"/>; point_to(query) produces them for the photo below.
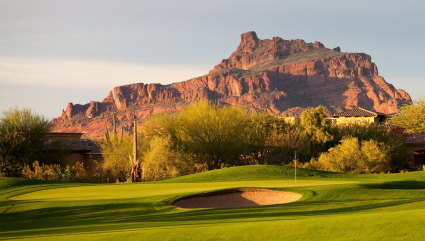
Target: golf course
<point x="333" y="206"/>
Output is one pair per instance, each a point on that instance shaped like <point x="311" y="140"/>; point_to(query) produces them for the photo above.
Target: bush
<point x="74" y="173"/>
<point x="21" y="133"/>
<point x="116" y="157"/>
<point x="355" y="156"/>
<point x="162" y="162"/>
<point x="397" y="148"/>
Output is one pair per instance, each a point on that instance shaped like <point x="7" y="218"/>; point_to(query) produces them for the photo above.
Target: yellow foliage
<point x="352" y="156"/>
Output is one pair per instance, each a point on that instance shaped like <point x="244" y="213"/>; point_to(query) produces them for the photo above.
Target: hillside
<point x="274" y="75"/>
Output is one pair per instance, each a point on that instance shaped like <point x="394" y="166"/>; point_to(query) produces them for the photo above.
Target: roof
<point x="414" y="138"/>
<point x="297" y="111"/>
<point x="358" y="111"/>
<point x="392" y="127"/>
<point x="57" y="136"/>
<point x="87" y="146"/>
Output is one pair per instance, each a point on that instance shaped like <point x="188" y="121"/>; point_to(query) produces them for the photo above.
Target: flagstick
<point x="296" y="167"/>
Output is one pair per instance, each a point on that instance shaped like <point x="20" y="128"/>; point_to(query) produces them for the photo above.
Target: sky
<point x="57" y="51"/>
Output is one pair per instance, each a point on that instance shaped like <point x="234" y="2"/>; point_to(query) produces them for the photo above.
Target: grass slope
<point x="334" y="207"/>
<point x="251" y="172"/>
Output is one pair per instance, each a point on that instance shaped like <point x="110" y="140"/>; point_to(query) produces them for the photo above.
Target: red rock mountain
<point x="275" y="75"/>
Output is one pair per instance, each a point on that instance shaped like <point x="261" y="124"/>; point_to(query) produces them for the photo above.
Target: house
<point x="358" y="116"/>
<point x="72" y="148"/>
<point x="415" y="145"/>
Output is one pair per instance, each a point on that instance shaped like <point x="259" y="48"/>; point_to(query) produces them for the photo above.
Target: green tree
<point x="316" y="131"/>
<point x="411" y="117"/>
<point x="21" y="139"/>
<point x="213" y="132"/>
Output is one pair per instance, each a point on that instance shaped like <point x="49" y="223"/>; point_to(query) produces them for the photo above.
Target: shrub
<point x="355" y="156"/>
<point x="162" y="162"/>
<point x="74" y="173"/>
<point x="117" y="153"/>
<point x="397" y="148"/>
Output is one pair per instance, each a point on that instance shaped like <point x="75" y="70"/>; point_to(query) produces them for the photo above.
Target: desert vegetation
<point x="411" y="117"/>
<point x="21" y="133"/>
<point x="207" y="136"/>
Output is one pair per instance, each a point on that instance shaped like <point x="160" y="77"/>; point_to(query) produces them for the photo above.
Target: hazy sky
<point x="53" y="52"/>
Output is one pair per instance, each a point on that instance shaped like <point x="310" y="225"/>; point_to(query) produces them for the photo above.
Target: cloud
<point x="88" y="74"/>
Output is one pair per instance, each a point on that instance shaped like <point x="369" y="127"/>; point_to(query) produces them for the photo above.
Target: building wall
<point x="354" y="120"/>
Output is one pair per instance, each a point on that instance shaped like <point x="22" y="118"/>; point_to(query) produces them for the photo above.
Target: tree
<point x="316" y="132"/>
<point x="213" y="131"/>
<point x="411" y="117"/>
<point x="21" y="139"/>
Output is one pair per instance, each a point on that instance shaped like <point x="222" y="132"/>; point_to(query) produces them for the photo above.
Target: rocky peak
<point x="252" y="51"/>
<point x="273" y="75"/>
<point x="249" y="41"/>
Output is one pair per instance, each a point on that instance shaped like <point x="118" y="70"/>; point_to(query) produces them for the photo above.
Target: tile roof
<point x="83" y="145"/>
<point x="357" y="112"/>
<point x="297" y="111"/>
<point x="414" y="138"/>
<point x="392" y="127"/>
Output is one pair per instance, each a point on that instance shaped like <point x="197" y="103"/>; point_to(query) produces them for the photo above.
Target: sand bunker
<point x="243" y="197"/>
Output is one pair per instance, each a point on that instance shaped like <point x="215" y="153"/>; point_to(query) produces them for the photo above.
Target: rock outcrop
<point x="274" y="75"/>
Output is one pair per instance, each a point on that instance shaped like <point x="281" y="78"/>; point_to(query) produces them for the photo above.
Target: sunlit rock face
<point x="274" y="75"/>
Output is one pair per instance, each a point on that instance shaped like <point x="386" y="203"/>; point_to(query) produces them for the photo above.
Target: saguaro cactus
<point x="115" y="125"/>
<point x="133" y="160"/>
<point x="108" y="141"/>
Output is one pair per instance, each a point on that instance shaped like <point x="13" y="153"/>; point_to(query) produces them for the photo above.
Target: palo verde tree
<point x="411" y="117"/>
<point x="214" y="132"/>
<point x="21" y="133"/>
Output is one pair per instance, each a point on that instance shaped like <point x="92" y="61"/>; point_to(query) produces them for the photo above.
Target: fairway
<point x="333" y="207"/>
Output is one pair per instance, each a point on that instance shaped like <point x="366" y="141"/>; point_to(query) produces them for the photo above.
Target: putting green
<point x="139" y="190"/>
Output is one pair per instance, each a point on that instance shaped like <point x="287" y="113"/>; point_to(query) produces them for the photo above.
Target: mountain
<point x="274" y="75"/>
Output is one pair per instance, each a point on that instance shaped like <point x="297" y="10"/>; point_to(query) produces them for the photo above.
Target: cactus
<point x="122" y="133"/>
<point x="133" y="159"/>
<point x="135" y="142"/>
<point x="115" y="125"/>
<point x="108" y="141"/>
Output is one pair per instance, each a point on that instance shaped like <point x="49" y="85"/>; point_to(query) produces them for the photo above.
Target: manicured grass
<point x="334" y="207"/>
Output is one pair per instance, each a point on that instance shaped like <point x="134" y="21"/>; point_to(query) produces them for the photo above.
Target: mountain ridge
<point x="274" y="75"/>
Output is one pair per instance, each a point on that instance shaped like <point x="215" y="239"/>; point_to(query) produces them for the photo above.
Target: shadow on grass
<point x="130" y="215"/>
<point x="411" y="184"/>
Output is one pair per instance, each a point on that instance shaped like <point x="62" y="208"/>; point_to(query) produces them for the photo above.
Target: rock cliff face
<point x="275" y="75"/>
